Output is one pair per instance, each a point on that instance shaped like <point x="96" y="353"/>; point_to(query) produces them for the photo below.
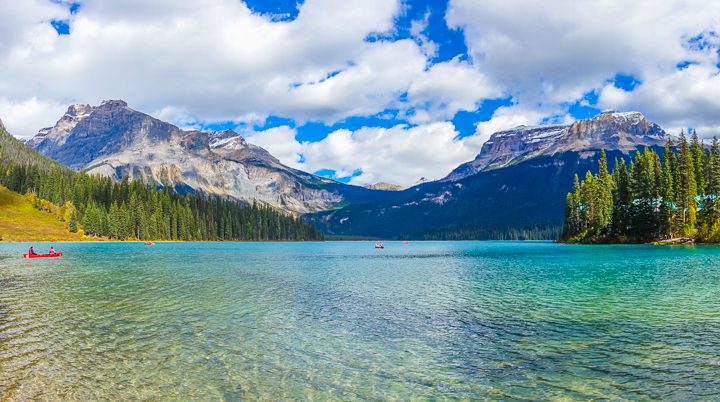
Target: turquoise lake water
<point x="343" y="321"/>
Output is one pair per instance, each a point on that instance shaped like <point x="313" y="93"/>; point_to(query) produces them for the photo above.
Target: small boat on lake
<point x="379" y="245"/>
<point x="52" y="255"/>
<point x="149" y="243"/>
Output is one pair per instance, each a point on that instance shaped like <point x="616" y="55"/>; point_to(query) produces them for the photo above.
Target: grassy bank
<point x="20" y="221"/>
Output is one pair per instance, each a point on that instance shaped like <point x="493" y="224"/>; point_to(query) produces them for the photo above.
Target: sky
<point x="363" y="91"/>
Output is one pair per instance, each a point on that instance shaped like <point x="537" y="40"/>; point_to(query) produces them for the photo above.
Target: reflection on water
<point x="343" y="321"/>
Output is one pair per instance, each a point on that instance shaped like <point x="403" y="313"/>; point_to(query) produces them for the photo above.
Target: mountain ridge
<point x="512" y="189"/>
<point x="623" y="131"/>
<point x="381" y="185"/>
<point x="116" y="141"/>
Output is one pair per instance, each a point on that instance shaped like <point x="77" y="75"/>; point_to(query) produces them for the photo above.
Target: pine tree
<point x="72" y="223"/>
<point x="685" y="190"/>
<point x="667" y="174"/>
<point x="604" y="193"/>
<point x="696" y="150"/>
<point x="621" y="201"/>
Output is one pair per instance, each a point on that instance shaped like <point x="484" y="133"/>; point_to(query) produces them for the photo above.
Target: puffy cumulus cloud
<point x="27" y="22"/>
<point x="400" y="155"/>
<point x="22" y="116"/>
<point x="369" y="86"/>
<point x="682" y="99"/>
<point x="280" y="142"/>
<point x="446" y="88"/>
<point x="205" y="61"/>
<point x="215" y="60"/>
<point x="212" y="58"/>
<point x="555" y="51"/>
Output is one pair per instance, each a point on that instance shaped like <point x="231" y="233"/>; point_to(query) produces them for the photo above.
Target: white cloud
<point x="280" y="142"/>
<point x="21" y="116"/>
<point x="417" y="28"/>
<point x="554" y="51"/>
<point x="213" y="58"/>
<point x="399" y="154"/>
<point x="447" y="88"/>
<point x="682" y="99"/>
<point x="206" y="61"/>
<point x="367" y="87"/>
<point x="505" y="118"/>
<point x="547" y="54"/>
<point x="27" y="22"/>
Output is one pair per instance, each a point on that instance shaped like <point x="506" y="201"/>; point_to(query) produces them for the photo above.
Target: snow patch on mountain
<point x="623" y="131"/>
<point x="115" y="141"/>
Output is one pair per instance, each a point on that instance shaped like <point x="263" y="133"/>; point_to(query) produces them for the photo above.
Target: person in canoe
<point x="32" y="251"/>
<point x="52" y="250"/>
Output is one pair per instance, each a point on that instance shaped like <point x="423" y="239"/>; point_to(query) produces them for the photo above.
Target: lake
<point x="344" y="321"/>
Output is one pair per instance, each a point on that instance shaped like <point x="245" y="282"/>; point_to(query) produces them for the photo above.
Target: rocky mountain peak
<point x="78" y="109"/>
<point x="58" y="134"/>
<point x="116" y="141"/>
<point x="113" y="104"/>
<point x="2" y="126"/>
<point x="624" y="131"/>
<point x="610" y="130"/>
<point x="228" y="139"/>
<point x="385" y="186"/>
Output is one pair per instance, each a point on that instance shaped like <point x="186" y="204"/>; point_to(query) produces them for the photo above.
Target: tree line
<point x="668" y="193"/>
<point x="124" y="210"/>
<point x="479" y="233"/>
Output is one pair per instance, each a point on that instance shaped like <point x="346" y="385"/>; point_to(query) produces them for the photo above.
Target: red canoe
<point x="58" y="254"/>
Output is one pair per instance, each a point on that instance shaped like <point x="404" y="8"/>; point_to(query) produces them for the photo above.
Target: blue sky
<point x="450" y="44"/>
<point x="363" y="90"/>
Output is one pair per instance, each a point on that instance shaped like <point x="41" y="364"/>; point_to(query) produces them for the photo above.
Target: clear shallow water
<point x="343" y="321"/>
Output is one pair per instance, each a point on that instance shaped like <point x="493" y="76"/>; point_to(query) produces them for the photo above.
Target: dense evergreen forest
<point x="475" y="233"/>
<point x="133" y="210"/>
<point x="660" y="195"/>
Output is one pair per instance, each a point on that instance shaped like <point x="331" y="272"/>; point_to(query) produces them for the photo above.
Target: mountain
<point x="116" y="141"/>
<point x="514" y="188"/>
<point x="41" y="199"/>
<point x="609" y="130"/>
<point x="385" y="186"/>
<point x="13" y="150"/>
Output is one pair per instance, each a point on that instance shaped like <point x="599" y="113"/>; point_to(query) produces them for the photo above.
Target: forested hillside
<point x="659" y="196"/>
<point x="14" y="151"/>
<point x="132" y="210"/>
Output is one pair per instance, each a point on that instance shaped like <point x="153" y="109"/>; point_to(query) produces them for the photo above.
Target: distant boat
<point x="149" y="243"/>
<point x="379" y="245"/>
<point x="53" y="255"/>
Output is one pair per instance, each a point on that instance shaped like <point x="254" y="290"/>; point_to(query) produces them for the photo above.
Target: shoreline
<point x="277" y="241"/>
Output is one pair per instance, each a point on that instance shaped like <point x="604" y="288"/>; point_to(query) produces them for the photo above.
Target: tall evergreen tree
<point x="685" y="190"/>
<point x="622" y="202"/>
<point x="696" y="149"/>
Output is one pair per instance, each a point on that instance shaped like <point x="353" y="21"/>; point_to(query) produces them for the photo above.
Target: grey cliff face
<point x="113" y="140"/>
<point x="385" y="186"/>
<point x="609" y="130"/>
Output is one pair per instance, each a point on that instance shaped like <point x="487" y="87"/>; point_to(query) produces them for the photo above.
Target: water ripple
<point x="342" y="321"/>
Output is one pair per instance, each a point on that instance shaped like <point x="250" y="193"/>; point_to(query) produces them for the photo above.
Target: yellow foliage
<point x="20" y="220"/>
<point x="47" y="206"/>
